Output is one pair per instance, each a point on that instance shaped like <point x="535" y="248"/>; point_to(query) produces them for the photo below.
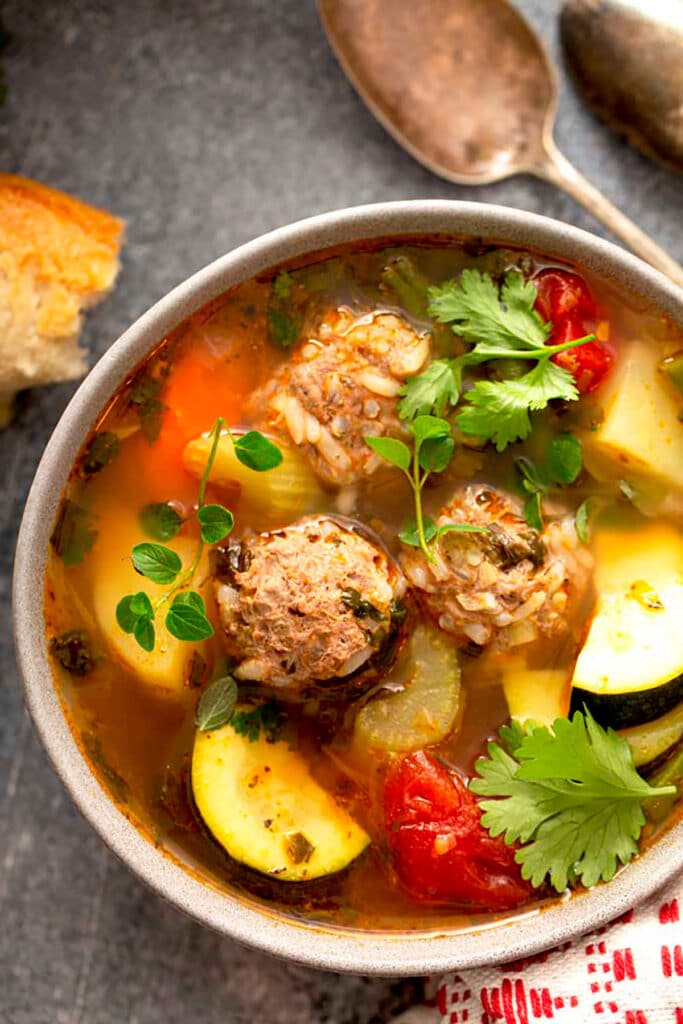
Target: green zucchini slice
<point x="651" y="740"/>
<point x="630" y="669"/>
<point x="260" y="801"/>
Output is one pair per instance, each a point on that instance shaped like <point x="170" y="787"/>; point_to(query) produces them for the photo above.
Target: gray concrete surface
<point x="203" y="123"/>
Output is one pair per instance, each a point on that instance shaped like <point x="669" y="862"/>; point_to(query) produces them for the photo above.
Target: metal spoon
<point x="468" y="89"/>
<point x="644" y="40"/>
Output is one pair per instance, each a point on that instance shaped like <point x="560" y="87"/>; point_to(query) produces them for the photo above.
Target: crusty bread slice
<point x="57" y="257"/>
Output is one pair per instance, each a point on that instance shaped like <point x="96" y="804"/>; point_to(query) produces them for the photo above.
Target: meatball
<point x="310" y="608"/>
<point x="341" y="385"/>
<point x="505" y="586"/>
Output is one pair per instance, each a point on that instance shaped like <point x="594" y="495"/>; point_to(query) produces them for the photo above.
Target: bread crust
<point x="58" y="255"/>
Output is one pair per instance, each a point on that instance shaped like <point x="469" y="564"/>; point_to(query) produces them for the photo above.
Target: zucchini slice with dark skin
<point x="651" y="741"/>
<point x="261" y="803"/>
<point x="630" y="669"/>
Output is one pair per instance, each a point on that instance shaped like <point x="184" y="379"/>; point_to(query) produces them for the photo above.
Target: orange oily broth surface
<point x="139" y="741"/>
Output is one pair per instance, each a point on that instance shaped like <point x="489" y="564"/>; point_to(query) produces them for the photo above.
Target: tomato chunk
<point x="442" y="853"/>
<point x="565" y="300"/>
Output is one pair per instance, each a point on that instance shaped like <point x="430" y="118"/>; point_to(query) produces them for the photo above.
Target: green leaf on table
<point x="157" y="562"/>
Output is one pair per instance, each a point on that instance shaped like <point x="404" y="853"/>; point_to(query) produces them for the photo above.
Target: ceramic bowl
<point x="315" y="944"/>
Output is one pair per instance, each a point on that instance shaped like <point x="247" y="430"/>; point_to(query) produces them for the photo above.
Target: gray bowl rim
<point x="315" y="944"/>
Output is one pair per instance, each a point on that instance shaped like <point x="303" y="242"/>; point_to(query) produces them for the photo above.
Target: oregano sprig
<point x="433" y="447"/>
<point x="186" y="618"/>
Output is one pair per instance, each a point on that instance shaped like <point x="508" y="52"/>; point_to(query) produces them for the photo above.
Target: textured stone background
<point x="203" y="123"/>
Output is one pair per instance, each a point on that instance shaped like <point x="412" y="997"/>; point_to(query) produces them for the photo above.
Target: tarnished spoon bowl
<point x="469" y="90"/>
<point x="644" y="101"/>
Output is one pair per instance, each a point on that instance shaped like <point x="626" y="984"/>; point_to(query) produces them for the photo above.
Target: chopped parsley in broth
<point x="365" y="593"/>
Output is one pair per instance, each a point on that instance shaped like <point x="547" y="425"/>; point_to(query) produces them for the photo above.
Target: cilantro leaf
<point x="571" y="795"/>
<point x="564" y="460"/>
<point x="432" y="391"/>
<point x="499" y="410"/>
<point x="476" y="311"/>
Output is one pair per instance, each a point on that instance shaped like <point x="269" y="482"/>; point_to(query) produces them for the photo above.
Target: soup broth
<point x="503" y="608"/>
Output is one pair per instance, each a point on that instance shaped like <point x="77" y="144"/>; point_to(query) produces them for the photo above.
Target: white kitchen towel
<point x="628" y="972"/>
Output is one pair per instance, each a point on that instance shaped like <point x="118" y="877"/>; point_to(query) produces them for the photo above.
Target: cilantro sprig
<point x="501" y="323"/>
<point x="432" y="450"/>
<point x="570" y="795"/>
<point x="186" y="618"/>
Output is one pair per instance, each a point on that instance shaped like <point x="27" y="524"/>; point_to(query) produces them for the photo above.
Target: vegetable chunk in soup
<point x="365" y="592"/>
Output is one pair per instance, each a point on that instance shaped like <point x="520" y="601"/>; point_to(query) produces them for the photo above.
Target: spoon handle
<point x="561" y="172"/>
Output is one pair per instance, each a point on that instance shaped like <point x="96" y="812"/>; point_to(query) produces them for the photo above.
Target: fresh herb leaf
<point x="74" y="533"/>
<point x="157" y="562"/>
<point x="102" y="448"/>
<point x="408" y="284"/>
<point x="582" y="521"/>
<point x="282" y="285"/>
<point x="562" y="465"/>
<point x="72" y="651"/>
<point x="186" y="618"/>
<point x="499" y="410"/>
<point x="284" y="328"/>
<point x="533" y="511"/>
<point x="145" y="394"/>
<point x="268" y="717"/>
<point x="410" y="535"/>
<point x="131" y="609"/>
<point x="216" y="523"/>
<point x="257" y="452"/>
<point x="502" y="324"/>
<point x="144" y="633"/>
<point x="477" y="313"/>
<point x="217" y="704"/>
<point x="570" y="795"/>
<point x="432" y="391"/>
<point x="396" y="453"/>
<point x="361" y="609"/>
<point x="564" y="460"/>
<point x="160" y="521"/>
<point x="433" y="447"/>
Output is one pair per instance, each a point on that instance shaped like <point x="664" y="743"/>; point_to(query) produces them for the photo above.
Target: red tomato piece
<point x="562" y="294"/>
<point x="564" y="299"/>
<point x="442" y="852"/>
